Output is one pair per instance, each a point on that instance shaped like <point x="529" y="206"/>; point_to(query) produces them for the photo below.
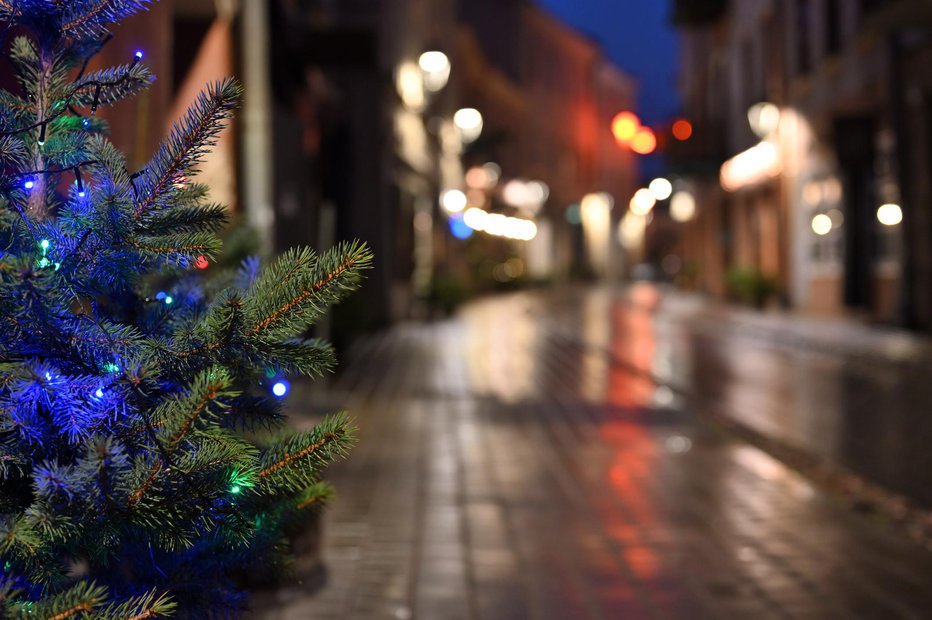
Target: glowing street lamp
<point x="435" y="66"/>
<point x="409" y="81"/>
<point x="890" y="214"/>
<point x="642" y="202"/>
<point x="469" y="123"/>
<point x="453" y="200"/>
<point x="660" y="188"/>
<point x="821" y="224"/>
<point x="764" y="118"/>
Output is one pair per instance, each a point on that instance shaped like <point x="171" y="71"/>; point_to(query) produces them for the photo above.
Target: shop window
<point x="822" y="196"/>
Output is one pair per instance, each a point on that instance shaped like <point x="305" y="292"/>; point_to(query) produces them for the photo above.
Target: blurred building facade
<point x="849" y="130"/>
<point x="343" y="136"/>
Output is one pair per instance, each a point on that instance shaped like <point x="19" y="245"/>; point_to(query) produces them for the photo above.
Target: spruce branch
<point x="179" y="415"/>
<point x="77" y="601"/>
<point x="187" y="143"/>
<point x="296" y="289"/>
<point x="140" y="608"/>
<point x="295" y="461"/>
<point x="113" y="84"/>
<point x="179" y="246"/>
<point x="89" y="18"/>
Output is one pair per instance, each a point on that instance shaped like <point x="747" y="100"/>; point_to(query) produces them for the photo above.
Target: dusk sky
<point x="637" y="36"/>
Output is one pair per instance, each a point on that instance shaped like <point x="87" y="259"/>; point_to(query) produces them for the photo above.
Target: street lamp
<point x="660" y="188"/>
<point x="890" y="214"/>
<point x="469" y="123"/>
<point x="435" y="66"/>
<point x="642" y="202"/>
<point x="764" y="118"/>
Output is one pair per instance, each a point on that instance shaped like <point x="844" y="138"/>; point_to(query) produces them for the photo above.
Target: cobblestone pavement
<point x="504" y="473"/>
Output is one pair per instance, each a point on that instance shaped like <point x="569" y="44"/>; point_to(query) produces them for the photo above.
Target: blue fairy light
<point x="169" y="300"/>
<point x="79" y="182"/>
<point x="280" y="388"/>
<point x="29" y="184"/>
<point x="86" y="122"/>
<point x="99" y="393"/>
<point x="44" y="244"/>
<point x="138" y="54"/>
<point x="161" y="295"/>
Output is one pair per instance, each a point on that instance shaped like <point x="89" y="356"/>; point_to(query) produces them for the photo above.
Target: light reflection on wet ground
<point x="512" y="466"/>
<point x="854" y="396"/>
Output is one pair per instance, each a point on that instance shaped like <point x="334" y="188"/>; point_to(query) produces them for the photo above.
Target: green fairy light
<point x="44" y="261"/>
<point x="239" y="480"/>
<point x="111" y="367"/>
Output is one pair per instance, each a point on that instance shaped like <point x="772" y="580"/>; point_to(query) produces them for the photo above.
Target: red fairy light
<point x="201" y="262"/>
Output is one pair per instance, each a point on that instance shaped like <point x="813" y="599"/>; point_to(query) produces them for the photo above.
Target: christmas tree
<point x="133" y="389"/>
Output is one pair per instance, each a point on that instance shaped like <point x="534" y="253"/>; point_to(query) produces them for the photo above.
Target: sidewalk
<point x="512" y="467"/>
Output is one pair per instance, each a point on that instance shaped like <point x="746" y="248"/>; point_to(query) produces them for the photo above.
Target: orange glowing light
<point x="625" y="126"/>
<point x="682" y="130"/>
<point x="644" y="141"/>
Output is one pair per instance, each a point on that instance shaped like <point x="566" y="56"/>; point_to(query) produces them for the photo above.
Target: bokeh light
<point x="644" y="141"/>
<point x="453" y="200"/>
<point x="660" y="188"/>
<point x="436" y="69"/>
<point x="682" y="206"/>
<point x="280" y="388"/>
<point x="890" y="214"/>
<point x="642" y="202"/>
<point x="625" y="126"/>
<point x="469" y="122"/>
<point x="821" y="224"/>
<point x="459" y="228"/>
<point x="409" y="82"/>
<point x="764" y="118"/>
<point x="682" y="130"/>
<point x="572" y="215"/>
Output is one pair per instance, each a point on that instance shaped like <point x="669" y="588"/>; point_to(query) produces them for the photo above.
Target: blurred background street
<point x="648" y="329"/>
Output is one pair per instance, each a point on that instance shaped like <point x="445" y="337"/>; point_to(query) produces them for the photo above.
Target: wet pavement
<point x="545" y="456"/>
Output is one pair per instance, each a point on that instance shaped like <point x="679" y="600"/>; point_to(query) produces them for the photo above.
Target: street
<point x="547" y="456"/>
